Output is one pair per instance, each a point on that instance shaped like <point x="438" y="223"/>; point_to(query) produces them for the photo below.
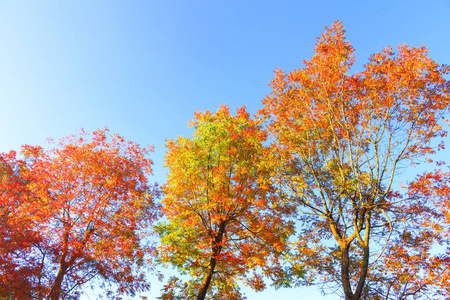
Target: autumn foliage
<point x="316" y="188"/>
<point x="73" y="213"/>
<point x="224" y="222"/>
<point x="345" y="138"/>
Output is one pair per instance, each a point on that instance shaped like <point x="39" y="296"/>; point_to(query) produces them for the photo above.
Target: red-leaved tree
<point x="87" y="203"/>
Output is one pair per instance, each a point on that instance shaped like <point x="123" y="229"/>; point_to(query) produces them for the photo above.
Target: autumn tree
<point x="223" y="222"/>
<point x="344" y="140"/>
<point x="90" y="202"/>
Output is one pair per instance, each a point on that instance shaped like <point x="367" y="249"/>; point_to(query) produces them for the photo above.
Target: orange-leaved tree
<point x="343" y="139"/>
<point x="223" y="222"/>
<point x="90" y="203"/>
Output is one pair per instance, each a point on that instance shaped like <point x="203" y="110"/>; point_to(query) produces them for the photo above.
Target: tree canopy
<point x="344" y="139"/>
<point x="84" y="205"/>
<point x="224" y="221"/>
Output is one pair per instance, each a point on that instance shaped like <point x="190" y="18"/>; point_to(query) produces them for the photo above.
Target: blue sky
<point x="141" y="68"/>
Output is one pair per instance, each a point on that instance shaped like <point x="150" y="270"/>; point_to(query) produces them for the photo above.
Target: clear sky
<point x="141" y="68"/>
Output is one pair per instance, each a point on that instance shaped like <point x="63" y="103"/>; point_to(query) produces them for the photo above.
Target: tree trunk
<point x="64" y="265"/>
<point x="207" y="280"/>
<point x="363" y="276"/>
<point x="216" y="248"/>
<point x="345" y="264"/>
<point x="345" y="271"/>
<point x="365" y="263"/>
<point x="55" y="292"/>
